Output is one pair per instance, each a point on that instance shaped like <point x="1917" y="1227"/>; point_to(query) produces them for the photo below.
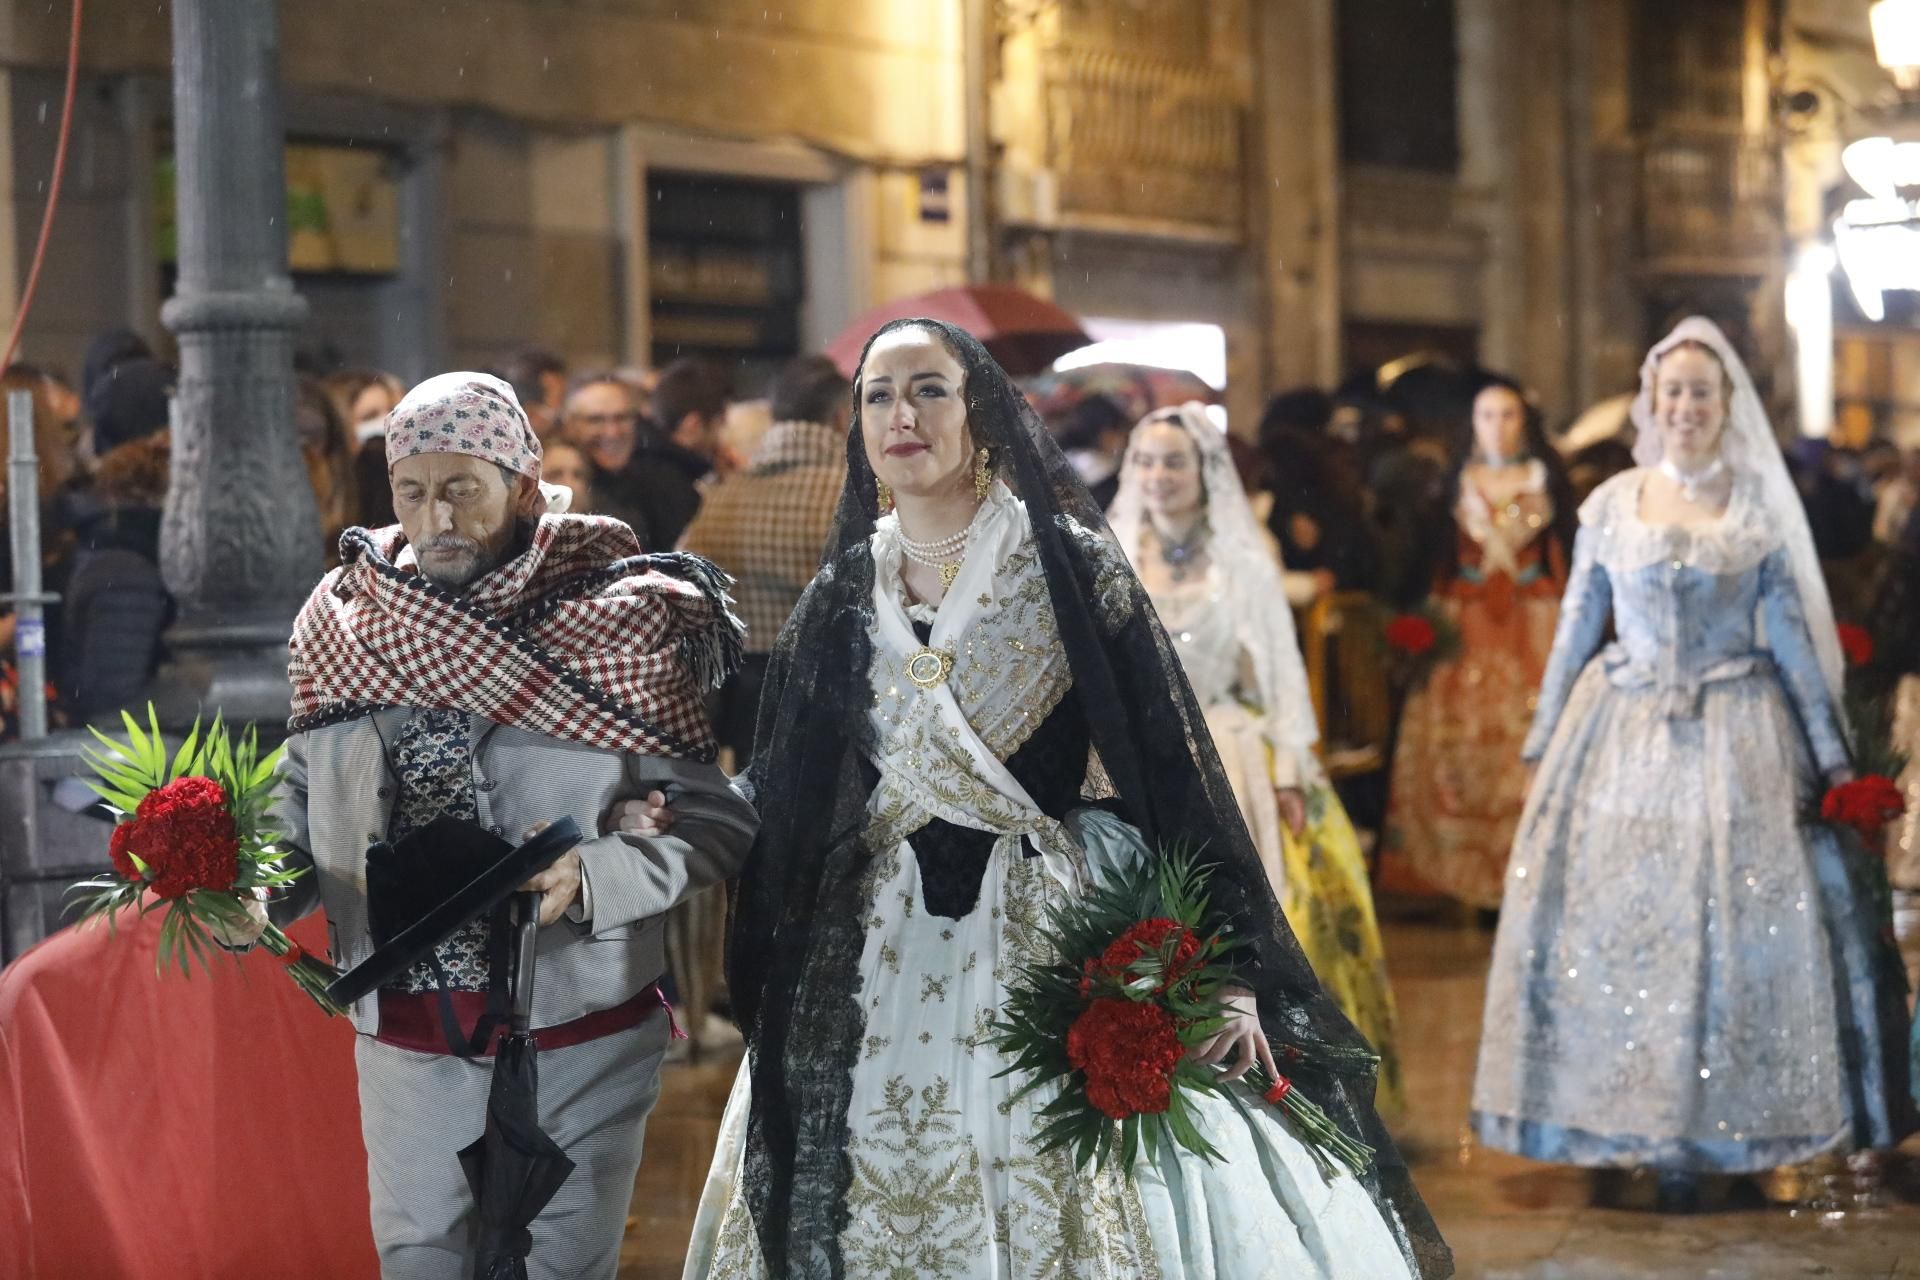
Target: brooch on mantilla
<point x="929" y="668"/>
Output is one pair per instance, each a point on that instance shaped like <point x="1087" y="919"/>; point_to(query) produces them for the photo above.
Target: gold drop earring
<point x="886" y="495"/>
<point x="982" y="474"/>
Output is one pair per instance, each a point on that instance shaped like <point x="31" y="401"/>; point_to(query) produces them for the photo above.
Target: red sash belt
<point x="412" y="1021"/>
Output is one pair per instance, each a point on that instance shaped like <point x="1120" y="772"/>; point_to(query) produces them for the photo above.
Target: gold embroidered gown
<point x="977" y="773"/>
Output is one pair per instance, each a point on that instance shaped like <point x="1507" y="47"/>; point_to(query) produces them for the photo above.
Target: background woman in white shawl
<point x="1215" y="579"/>
<point x="1687" y="976"/>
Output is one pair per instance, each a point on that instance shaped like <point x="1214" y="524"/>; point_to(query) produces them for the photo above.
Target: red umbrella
<point x="1024" y="333"/>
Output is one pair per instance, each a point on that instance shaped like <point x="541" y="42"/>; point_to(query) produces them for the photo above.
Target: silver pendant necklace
<point x="1178" y="556"/>
<point x="1690" y="482"/>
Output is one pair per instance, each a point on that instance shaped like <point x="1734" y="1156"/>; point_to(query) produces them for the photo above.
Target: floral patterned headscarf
<point x="471" y="413"/>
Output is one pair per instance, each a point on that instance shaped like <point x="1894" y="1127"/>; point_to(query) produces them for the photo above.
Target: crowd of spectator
<point x="1355" y="484"/>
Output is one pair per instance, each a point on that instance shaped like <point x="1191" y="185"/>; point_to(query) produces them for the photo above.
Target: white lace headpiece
<point x="1752" y="452"/>
<point x="1249" y="563"/>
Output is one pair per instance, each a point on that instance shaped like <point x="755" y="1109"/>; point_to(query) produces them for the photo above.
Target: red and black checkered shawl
<point x="579" y="637"/>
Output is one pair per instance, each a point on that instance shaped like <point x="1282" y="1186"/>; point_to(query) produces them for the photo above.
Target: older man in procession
<point x="494" y="662"/>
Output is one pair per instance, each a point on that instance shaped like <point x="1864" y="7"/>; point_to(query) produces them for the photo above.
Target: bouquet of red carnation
<point x="1418" y="641"/>
<point x="1856" y="643"/>
<point x="1133" y="986"/>
<point x="1866" y="804"/>
<point x="1873" y="798"/>
<point x="192" y="832"/>
<point x="1412" y="635"/>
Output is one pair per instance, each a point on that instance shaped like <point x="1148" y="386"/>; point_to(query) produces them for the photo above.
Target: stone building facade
<point x="520" y="135"/>
<point x="1331" y="182"/>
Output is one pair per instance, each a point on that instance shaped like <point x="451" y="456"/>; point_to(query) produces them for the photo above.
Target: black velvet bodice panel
<point x="1051" y="765"/>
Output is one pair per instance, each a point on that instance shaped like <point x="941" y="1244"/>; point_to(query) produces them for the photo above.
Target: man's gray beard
<point x="483" y="563"/>
<point x="477" y="568"/>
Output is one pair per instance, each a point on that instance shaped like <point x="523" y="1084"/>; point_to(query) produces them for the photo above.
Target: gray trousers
<point x="418" y="1109"/>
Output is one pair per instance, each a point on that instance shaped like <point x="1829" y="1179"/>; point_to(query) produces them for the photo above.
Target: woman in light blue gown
<point x="1686" y="976"/>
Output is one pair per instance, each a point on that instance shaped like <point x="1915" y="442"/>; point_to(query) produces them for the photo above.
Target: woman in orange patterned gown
<point x="1458" y="781"/>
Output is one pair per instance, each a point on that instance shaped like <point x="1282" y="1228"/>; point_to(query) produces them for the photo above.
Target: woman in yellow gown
<point x="1183" y="519"/>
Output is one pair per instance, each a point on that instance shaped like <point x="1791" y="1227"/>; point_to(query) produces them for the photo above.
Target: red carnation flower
<point x="1128" y="1052"/>
<point x="1150" y="938"/>
<point x="1856" y="643"/>
<point x="184" y="833"/>
<point x="1411" y="634"/>
<point x="119" y="845"/>
<point x="1866" y="804"/>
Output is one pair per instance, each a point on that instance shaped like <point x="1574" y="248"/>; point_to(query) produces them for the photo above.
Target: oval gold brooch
<point x="929" y="668"/>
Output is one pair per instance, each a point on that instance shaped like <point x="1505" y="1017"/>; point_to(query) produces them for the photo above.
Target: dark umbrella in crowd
<point x="513" y="1167"/>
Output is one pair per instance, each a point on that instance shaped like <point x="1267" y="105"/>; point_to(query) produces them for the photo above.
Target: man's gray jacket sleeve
<point x="633" y="877"/>
<point x="290" y="814"/>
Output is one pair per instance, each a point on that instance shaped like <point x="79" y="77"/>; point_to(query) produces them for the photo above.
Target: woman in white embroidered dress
<point x="1213" y="574"/>
<point x="929" y="716"/>
<point x="1686" y="976"/>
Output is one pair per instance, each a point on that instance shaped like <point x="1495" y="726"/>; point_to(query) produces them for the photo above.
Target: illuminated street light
<point x="1896" y="40"/>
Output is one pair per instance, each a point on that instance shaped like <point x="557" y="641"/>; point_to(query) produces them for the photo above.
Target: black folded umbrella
<point x="422" y="888"/>
<point x="419" y="891"/>
<point x="513" y="1167"/>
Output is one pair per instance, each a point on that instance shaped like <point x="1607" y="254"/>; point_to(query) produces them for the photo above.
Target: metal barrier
<point x="50" y="836"/>
<point x="28" y="600"/>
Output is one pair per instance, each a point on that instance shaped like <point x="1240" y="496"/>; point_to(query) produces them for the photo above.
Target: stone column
<point x="1293" y="177"/>
<point x="240" y="542"/>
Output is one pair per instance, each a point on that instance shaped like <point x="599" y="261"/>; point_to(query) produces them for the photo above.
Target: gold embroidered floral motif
<point x="1022" y="940"/>
<point x="1075" y="1224"/>
<point x="982" y="1034"/>
<point x="916" y="1203"/>
<point x="736" y="1249"/>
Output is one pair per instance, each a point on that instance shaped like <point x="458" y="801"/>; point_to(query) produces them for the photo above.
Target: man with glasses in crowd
<point x="600" y="418"/>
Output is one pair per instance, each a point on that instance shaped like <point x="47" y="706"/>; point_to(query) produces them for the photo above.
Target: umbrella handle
<point x="526" y="939"/>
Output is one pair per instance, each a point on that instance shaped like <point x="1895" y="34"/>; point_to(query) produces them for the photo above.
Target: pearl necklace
<point x="943" y="555"/>
<point x="1690" y="482"/>
<point x="940" y="549"/>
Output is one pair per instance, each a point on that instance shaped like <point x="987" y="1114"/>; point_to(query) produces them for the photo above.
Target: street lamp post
<point x="240" y="541"/>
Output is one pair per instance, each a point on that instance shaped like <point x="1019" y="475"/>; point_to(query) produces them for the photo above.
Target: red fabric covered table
<point x="156" y="1126"/>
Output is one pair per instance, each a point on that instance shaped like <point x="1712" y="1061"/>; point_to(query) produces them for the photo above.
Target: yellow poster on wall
<point x="343" y="210"/>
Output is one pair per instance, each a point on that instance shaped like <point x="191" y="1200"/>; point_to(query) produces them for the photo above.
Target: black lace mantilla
<point x="799" y="913"/>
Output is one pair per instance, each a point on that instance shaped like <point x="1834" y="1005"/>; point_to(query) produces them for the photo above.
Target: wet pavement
<point x="1506" y="1218"/>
